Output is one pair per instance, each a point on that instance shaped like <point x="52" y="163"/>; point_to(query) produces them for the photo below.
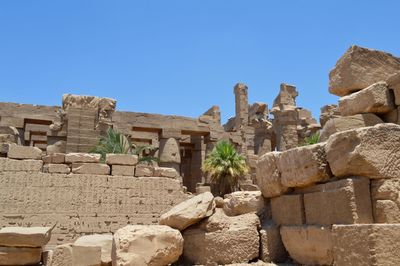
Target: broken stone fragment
<point x="82" y="158"/>
<point x="104" y="242"/>
<point x="242" y="202"/>
<point x="24" y="152"/>
<point x="24" y="236"/>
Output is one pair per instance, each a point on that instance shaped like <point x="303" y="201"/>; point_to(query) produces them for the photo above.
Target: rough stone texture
<point x="124" y="170"/>
<point x="121" y="159"/>
<point x="24" y="152"/>
<point x="84" y="255"/>
<point x="54" y="158"/>
<point x="144" y="170"/>
<point x="271" y="246"/>
<point x="268" y="177"/>
<point x="328" y="112"/>
<point x="58" y="147"/>
<point x="236" y="237"/>
<point x="96" y="240"/>
<point x="286" y="97"/>
<point x="360" y="67"/>
<point x="62" y="256"/>
<point x="394" y="84"/>
<point x="47" y="257"/>
<point x="303" y="166"/>
<point x="366" y="244"/>
<point x="24" y="236"/>
<point x="309" y="245"/>
<point x="241" y="202"/>
<point x="288" y="210"/>
<point x="19" y="256"/>
<point x="385" y="195"/>
<point x="11" y="165"/>
<point x="344" y="123"/>
<point x="84" y="204"/>
<point x="165" y="172"/>
<point x="368" y="151"/>
<point x="91" y="168"/>
<point x="189" y="212"/>
<point x="345" y="201"/>
<point x="146" y="245"/>
<point x="56" y="168"/>
<point x="169" y="151"/>
<point x="374" y="99"/>
<point x="82" y="158"/>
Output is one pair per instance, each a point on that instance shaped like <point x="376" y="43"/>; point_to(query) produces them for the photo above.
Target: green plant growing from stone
<point x="225" y="167"/>
<point x="313" y="139"/>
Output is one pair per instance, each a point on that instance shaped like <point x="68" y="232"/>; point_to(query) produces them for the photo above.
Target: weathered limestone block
<point x="286" y="97"/>
<point x="373" y="99"/>
<point x="303" y="166"/>
<point x="91" y="168"/>
<point x="84" y="255"/>
<point x="370" y="151"/>
<point x="24" y="152"/>
<point x="385" y="195"/>
<point x="165" y="172"/>
<point x="360" y="67"/>
<point x="241" y="202"/>
<point x="54" y="158"/>
<point x="62" y="256"/>
<point x="271" y="246"/>
<point x="344" y="123"/>
<point x="366" y="244"/>
<point x="345" y="201"/>
<point x="56" y="168"/>
<point x="121" y="159"/>
<point x="268" y="177"/>
<point x="20" y="256"/>
<point x="169" y="151"/>
<point x="309" y="245"/>
<point x="288" y="210"/>
<point x="394" y="84"/>
<point x="11" y="165"/>
<point x="221" y="239"/>
<point x="96" y="240"/>
<point x="82" y="158"/>
<point x="58" y="147"/>
<point x="47" y="257"/>
<point x="146" y="245"/>
<point x="124" y="170"/>
<point x="24" y="236"/>
<point x="328" y="112"/>
<point x="189" y="212"/>
<point x="144" y="170"/>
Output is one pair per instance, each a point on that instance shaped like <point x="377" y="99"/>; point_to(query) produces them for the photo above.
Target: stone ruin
<point x="335" y="202"/>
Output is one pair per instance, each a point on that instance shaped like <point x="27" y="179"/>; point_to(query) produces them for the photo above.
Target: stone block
<point x="366" y="244"/>
<point x="241" y="202"/>
<point x="20" y="256"/>
<point x="54" y="158"/>
<point x="144" y="170"/>
<point x="56" y="168"/>
<point x="84" y="255"/>
<point x="24" y="152"/>
<point x="385" y="195"/>
<point x="309" y="245"/>
<point x="345" y="201"/>
<point x="121" y="159"/>
<point x="91" y="168"/>
<point x="303" y="166"/>
<point x="271" y="246"/>
<point x="288" y="210"/>
<point x="394" y="84"/>
<point x="62" y="256"/>
<point x="82" y="158"/>
<point x="11" y="165"/>
<point x="124" y="170"/>
<point x="374" y="99"/>
<point x="24" y="236"/>
<point x="368" y="151"/>
<point x="96" y="240"/>
<point x="165" y="172"/>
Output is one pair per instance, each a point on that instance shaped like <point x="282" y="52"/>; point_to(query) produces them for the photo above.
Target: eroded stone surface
<point x="124" y="170"/>
<point x="91" y="168"/>
<point x="241" y="202"/>
<point x="56" y="168"/>
<point x="121" y="159"/>
<point x="11" y="165"/>
<point x="96" y="240"/>
<point x="24" y="236"/>
<point x="268" y="176"/>
<point x="271" y="246"/>
<point x="24" y="152"/>
<point x="288" y="210"/>
<point x="82" y="158"/>
<point x="19" y="256"/>
<point x="385" y="195"/>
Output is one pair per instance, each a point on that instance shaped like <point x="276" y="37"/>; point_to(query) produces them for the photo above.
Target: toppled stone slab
<point x="91" y="168"/>
<point x="385" y="195"/>
<point x="221" y="239"/>
<point x="189" y="212"/>
<point x="165" y="172"/>
<point x="360" y="67"/>
<point x="24" y="152"/>
<point x="25" y="236"/>
<point x="82" y="158"/>
<point x="309" y="245"/>
<point x="56" y="168"/>
<point x="20" y="256"/>
<point x="303" y="166"/>
<point x="121" y="159"/>
<point x="268" y="177"/>
<point x="368" y="151"/>
<point x="241" y="202"/>
<point x="143" y="170"/>
<point x="104" y="242"/>
<point x="374" y="99"/>
<point x="123" y="170"/>
<point x="288" y="210"/>
<point x="144" y="245"/>
<point x="271" y="246"/>
<point x="344" y="123"/>
<point x="366" y="244"/>
<point x="11" y="165"/>
<point x="345" y="201"/>
<point x="54" y="158"/>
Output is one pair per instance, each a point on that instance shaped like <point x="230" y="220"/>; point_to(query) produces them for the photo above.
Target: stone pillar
<point x="242" y="106"/>
<point x="285" y="127"/>
<point x="169" y="151"/>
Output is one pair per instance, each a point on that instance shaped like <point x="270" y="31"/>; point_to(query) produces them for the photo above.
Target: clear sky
<point x="181" y="57"/>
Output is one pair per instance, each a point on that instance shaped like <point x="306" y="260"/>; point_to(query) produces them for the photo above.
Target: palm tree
<point x="225" y="166"/>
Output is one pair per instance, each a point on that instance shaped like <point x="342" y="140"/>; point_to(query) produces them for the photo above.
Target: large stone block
<point x="63" y="256"/>
<point x="82" y="158"/>
<point x="84" y="255"/>
<point x="360" y="67"/>
<point x="165" y="172"/>
<point x="241" y="202"/>
<point x="91" y="168"/>
<point x="271" y="246"/>
<point x="124" y="170"/>
<point x="309" y="245"/>
<point x="370" y="151"/>
<point x="303" y="166"/>
<point x="385" y="194"/>
<point x="288" y="210"/>
<point x="374" y="99"/>
<point x="268" y="177"/>
<point x="24" y="152"/>
<point x="56" y="168"/>
<point x="54" y="158"/>
<point x="104" y="242"/>
<point x="366" y="244"/>
<point x="345" y="201"/>
<point x="144" y="170"/>
<point x="11" y="165"/>
<point x="24" y="236"/>
<point x="20" y="256"/>
<point x="121" y="159"/>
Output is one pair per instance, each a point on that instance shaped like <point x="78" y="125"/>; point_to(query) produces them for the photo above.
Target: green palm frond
<point x="313" y="139"/>
<point x="112" y="142"/>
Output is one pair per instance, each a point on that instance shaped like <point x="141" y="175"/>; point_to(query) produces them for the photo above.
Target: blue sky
<point x="181" y="57"/>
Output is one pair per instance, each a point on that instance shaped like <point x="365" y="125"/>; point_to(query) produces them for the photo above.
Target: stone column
<point x="285" y="127"/>
<point x="242" y="106"/>
<point x="169" y="152"/>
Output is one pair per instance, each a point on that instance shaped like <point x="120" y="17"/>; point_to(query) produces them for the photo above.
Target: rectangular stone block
<point x="121" y="159"/>
<point x="24" y="152"/>
<point x="20" y="256"/>
<point x="82" y="158"/>
<point x="86" y="255"/>
<point x="345" y="201"/>
<point x="309" y="245"/>
<point x="11" y="165"/>
<point x="144" y="170"/>
<point x="56" y="168"/>
<point x="124" y="170"/>
<point x="54" y="158"/>
<point x="24" y="236"/>
<point x="366" y="244"/>
<point x="165" y="172"/>
<point x="288" y="210"/>
<point x="385" y="200"/>
<point x="91" y="168"/>
<point x="271" y="246"/>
